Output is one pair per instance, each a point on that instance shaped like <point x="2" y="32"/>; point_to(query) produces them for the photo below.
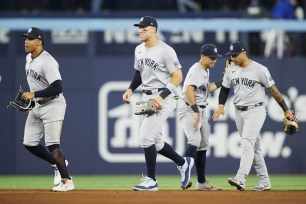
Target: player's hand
<point x="159" y="100"/>
<point x="127" y="96"/>
<point x="218" y="112"/>
<point x="28" y="95"/>
<point x="196" y="120"/>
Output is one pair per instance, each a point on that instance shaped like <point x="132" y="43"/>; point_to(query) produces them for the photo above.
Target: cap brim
<point x="32" y="37"/>
<point x="216" y="55"/>
<point x="145" y="25"/>
<point x="24" y="35"/>
<point x="29" y="36"/>
<point x="138" y="25"/>
<point x="230" y="53"/>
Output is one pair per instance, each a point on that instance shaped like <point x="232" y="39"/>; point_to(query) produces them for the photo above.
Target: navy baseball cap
<point x="35" y="33"/>
<point x="146" y="21"/>
<point x="209" y="50"/>
<point x="236" y="48"/>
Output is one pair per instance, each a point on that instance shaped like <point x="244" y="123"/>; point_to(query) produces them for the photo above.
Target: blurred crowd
<point x="100" y="6"/>
<point x="277" y="43"/>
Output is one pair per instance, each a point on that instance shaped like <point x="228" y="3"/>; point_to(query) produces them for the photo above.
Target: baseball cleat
<point x="64" y="186"/>
<point x="207" y="187"/>
<point x="185" y="171"/>
<point x="262" y="187"/>
<point x="147" y="184"/>
<point x="188" y="185"/>
<point x="57" y="175"/>
<point x="239" y="184"/>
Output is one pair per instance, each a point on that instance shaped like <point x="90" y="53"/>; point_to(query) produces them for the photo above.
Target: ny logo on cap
<point x="141" y="19"/>
<point x="215" y="50"/>
<point x="30" y="30"/>
<point x="231" y="47"/>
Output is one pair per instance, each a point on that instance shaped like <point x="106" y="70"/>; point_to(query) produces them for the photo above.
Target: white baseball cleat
<point x="57" y="175"/>
<point x="236" y="182"/>
<point x="147" y="184"/>
<point x="207" y="187"/>
<point x="262" y="187"/>
<point x="185" y="171"/>
<point x="64" y="186"/>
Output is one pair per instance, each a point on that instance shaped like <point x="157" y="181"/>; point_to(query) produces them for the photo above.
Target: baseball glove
<point x="291" y="125"/>
<point x="20" y="104"/>
<point x="147" y="107"/>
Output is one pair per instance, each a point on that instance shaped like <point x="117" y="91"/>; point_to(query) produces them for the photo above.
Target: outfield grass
<point x="165" y="182"/>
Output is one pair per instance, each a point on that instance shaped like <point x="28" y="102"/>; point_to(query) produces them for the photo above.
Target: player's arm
<point x="52" y="90"/>
<point x="191" y="100"/>
<point x="215" y="85"/>
<point x="136" y="82"/>
<point x="224" y="92"/>
<point x="176" y="78"/>
<point x="279" y="99"/>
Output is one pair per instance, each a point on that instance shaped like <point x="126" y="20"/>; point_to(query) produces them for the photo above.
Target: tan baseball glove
<point x="291" y="125"/>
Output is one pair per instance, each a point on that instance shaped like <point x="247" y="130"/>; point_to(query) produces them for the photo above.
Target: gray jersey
<point x="199" y="78"/>
<point x="249" y="83"/>
<point x="155" y="64"/>
<point x="41" y="71"/>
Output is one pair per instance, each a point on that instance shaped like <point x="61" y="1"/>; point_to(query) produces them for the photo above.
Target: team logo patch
<point x="141" y="19"/>
<point x="215" y="50"/>
<point x="231" y="47"/>
<point x="30" y="30"/>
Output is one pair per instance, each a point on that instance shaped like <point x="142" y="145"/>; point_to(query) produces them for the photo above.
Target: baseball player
<point x="46" y="118"/>
<point x="158" y="70"/>
<point x="249" y="80"/>
<point x="192" y="113"/>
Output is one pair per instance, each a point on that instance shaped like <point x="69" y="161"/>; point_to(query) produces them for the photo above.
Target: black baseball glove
<point x="147" y="107"/>
<point x="291" y="124"/>
<point x="20" y="104"/>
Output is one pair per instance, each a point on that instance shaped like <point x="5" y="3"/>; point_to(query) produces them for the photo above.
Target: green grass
<point x="165" y="182"/>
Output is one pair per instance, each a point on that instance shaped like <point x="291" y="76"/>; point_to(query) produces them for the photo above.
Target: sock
<point x="41" y="152"/>
<point x="150" y="156"/>
<point x="168" y="152"/>
<point x="59" y="160"/>
<point x="191" y="151"/>
<point x="200" y="161"/>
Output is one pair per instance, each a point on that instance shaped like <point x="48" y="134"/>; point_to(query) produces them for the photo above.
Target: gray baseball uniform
<point x="46" y="117"/>
<point x="199" y="78"/>
<point x="249" y="93"/>
<point x="155" y="65"/>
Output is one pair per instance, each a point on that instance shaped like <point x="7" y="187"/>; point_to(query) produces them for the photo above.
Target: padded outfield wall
<point x="100" y="133"/>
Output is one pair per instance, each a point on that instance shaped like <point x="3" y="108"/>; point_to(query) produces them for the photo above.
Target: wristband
<point x="194" y="107"/>
<point x="168" y="90"/>
<point x="165" y="93"/>
<point x="283" y="105"/>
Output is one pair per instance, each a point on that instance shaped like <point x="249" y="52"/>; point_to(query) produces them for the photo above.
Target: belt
<point x="47" y="99"/>
<point x="150" y="92"/>
<point x="201" y="106"/>
<point x="245" y="108"/>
